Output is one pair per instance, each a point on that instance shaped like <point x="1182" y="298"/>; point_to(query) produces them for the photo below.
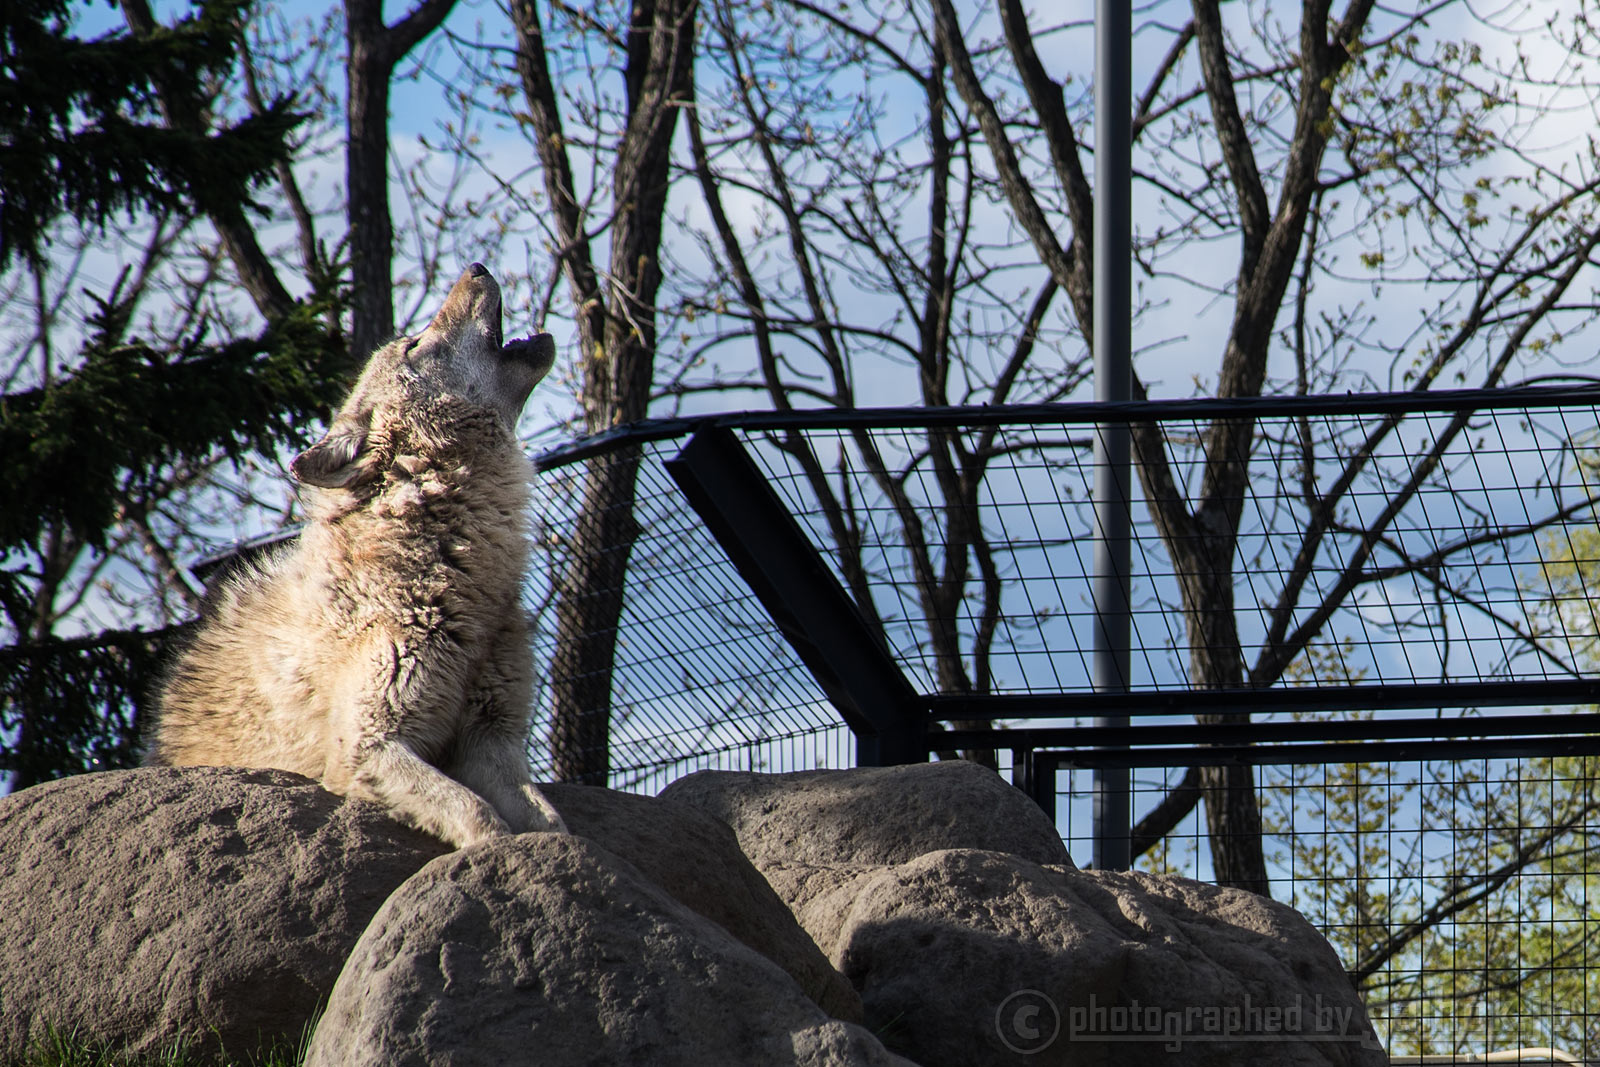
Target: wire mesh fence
<point x="1351" y="571"/>
<point x="1461" y="895"/>
<point x="701" y="678"/>
<point x="1369" y="542"/>
<point x="1371" y="547"/>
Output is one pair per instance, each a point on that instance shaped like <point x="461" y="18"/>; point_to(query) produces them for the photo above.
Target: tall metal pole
<point x="1113" y="373"/>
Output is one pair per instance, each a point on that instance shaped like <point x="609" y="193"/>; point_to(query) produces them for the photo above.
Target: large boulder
<point x="946" y="897"/>
<point x="695" y="858"/>
<point x="216" y="905"/>
<point x="549" y="948"/>
<point x="966" y="957"/>
<point x="872" y="815"/>
<point x="219" y="906"/>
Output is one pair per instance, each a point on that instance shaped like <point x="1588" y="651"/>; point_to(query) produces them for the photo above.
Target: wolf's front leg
<point x="421" y="795"/>
<point x="495" y="766"/>
<point x="490" y="754"/>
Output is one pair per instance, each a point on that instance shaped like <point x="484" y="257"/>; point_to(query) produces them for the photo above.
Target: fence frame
<point x="893" y="723"/>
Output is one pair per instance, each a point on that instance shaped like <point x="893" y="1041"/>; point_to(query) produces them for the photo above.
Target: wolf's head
<point x="458" y="368"/>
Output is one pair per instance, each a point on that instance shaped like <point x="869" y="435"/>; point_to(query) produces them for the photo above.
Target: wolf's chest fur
<point x="436" y="549"/>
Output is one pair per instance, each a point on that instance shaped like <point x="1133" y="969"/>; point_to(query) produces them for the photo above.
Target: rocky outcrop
<point x="216" y="905"/>
<point x="551" y="949"/>
<point x="219" y="904"/>
<point x="934" y="904"/>
<point x="946" y="898"/>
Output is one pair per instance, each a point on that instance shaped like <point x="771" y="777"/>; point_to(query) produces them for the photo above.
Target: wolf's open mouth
<point x="537" y="351"/>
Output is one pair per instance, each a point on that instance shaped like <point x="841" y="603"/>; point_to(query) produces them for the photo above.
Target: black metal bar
<point x="1082" y="413"/>
<point x="221" y="561"/>
<point x="1332" y="753"/>
<point x="1022" y="769"/>
<point x="633" y="433"/>
<point x="1243" y="733"/>
<point x="777" y="560"/>
<point x="1499" y="694"/>
<point x="1113" y="385"/>
<point x="1042" y="787"/>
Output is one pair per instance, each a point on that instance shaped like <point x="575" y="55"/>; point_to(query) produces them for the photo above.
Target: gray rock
<point x="220" y="904"/>
<point x="967" y="957"/>
<point x="874" y="815"/>
<point x="696" y="859"/>
<point x="212" y="904"/>
<point x="821" y="897"/>
<point x="550" y="949"/>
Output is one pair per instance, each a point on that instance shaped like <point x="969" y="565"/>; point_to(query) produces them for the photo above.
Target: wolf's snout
<point x="475" y="295"/>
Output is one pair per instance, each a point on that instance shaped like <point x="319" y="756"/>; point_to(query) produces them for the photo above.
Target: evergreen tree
<point x="114" y="128"/>
<point x="82" y="130"/>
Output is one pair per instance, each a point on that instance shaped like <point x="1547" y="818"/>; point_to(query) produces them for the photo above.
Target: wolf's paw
<point x="540" y="816"/>
<point x="552" y="824"/>
<point x="466" y="839"/>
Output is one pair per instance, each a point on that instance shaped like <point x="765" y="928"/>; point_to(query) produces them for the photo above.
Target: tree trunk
<point x="617" y="334"/>
<point x="374" y="50"/>
<point x="587" y="611"/>
<point x="367" y="177"/>
<point x="1203" y="544"/>
<point x="1233" y="813"/>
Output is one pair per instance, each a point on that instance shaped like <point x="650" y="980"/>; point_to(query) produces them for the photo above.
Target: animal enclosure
<point x="1411" y="645"/>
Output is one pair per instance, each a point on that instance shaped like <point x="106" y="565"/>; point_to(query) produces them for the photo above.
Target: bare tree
<point x="843" y="227"/>
<point x="1200" y="531"/>
<point x="375" y="50"/>
<point x="615" y="309"/>
<point x="1296" y="137"/>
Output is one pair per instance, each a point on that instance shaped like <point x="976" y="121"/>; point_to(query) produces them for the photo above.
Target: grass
<point x="68" y="1049"/>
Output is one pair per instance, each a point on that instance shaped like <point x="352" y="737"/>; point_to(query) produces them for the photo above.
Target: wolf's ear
<point x="336" y="461"/>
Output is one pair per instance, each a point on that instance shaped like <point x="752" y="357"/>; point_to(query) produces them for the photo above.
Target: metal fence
<point x="702" y="677"/>
<point x="1460" y="894"/>
<point x="1409" y="669"/>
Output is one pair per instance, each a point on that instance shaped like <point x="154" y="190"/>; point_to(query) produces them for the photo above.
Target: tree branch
<point x="238" y="238"/>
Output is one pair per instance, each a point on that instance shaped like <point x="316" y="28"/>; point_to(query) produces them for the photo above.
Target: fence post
<point x="1113" y="374"/>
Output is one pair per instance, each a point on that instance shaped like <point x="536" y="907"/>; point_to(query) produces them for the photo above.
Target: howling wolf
<point x="387" y="651"/>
